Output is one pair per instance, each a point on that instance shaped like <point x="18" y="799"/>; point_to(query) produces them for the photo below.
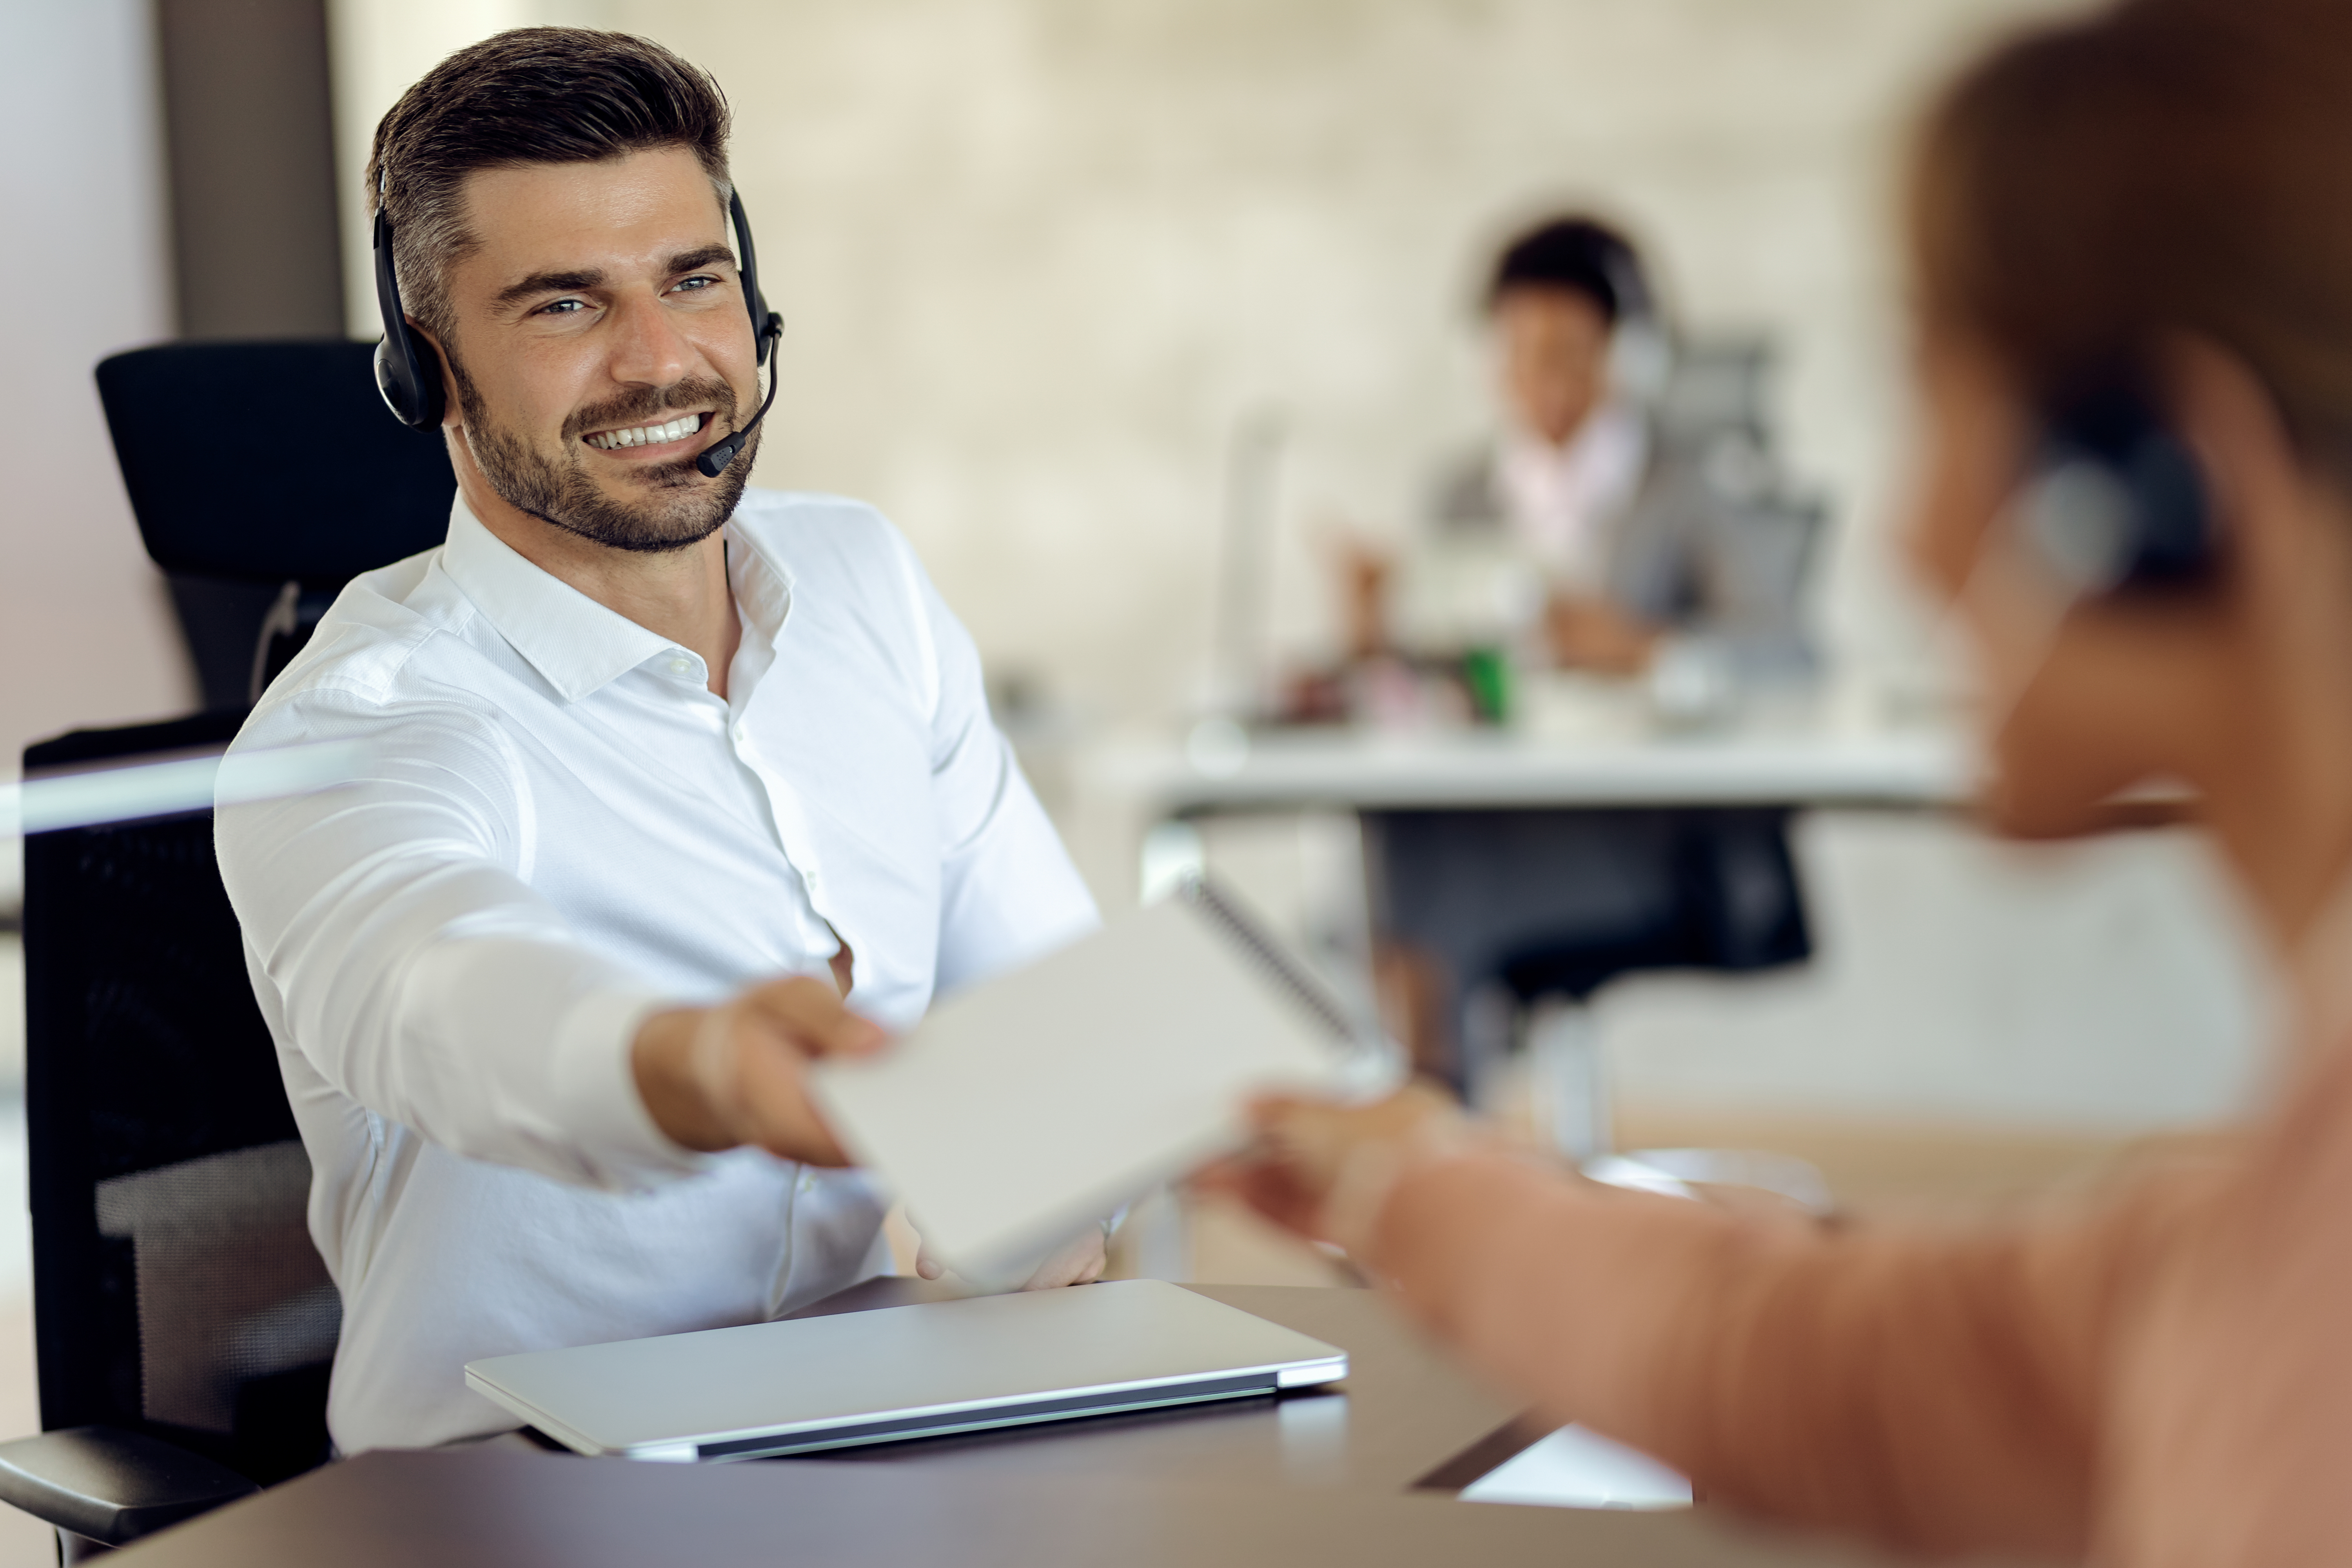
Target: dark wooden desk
<point x="1305" y="1479"/>
<point x="1399" y="1417"/>
<point x="491" y="1508"/>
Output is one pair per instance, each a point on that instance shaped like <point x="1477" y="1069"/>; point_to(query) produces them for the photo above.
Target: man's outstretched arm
<point x="419" y="973"/>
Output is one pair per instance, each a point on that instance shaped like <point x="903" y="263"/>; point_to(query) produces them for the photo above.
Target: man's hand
<point x="1080" y="1261"/>
<point x="1321" y="1171"/>
<point x="718" y="1077"/>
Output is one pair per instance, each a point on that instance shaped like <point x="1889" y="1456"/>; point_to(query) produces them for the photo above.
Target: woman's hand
<point x="1079" y="1261"/>
<point x="1322" y="1171"/>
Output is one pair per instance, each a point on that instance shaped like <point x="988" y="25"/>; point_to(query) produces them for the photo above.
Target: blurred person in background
<point x="2156" y="1372"/>
<point x="1648" y="555"/>
<point x="1630" y="536"/>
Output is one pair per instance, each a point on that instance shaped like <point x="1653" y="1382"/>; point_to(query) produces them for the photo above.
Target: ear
<point x="453" y="418"/>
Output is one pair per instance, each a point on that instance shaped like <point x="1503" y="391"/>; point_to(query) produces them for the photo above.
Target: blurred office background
<point x="1040" y="260"/>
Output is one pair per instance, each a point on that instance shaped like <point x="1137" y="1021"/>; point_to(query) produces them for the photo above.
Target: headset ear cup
<point x="410" y="381"/>
<point x="408" y="377"/>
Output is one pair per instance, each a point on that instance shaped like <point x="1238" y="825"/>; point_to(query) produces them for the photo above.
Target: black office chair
<point x="184" y="1324"/>
<point x="1531" y="913"/>
<point x="264" y="475"/>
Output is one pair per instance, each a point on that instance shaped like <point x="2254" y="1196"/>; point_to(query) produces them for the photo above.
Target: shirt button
<point x="681" y="667"/>
<point x="808" y="1183"/>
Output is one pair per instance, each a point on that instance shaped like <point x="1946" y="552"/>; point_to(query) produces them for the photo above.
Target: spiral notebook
<point x="1020" y="1110"/>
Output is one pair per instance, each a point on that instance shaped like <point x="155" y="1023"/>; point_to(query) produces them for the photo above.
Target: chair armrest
<point x="113" y="1485"/>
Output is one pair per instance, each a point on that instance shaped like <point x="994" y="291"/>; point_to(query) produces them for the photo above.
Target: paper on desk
<point x="1019" y="1110"/>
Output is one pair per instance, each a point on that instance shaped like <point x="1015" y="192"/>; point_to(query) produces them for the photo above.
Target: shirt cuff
<point x="596" y="1097"/>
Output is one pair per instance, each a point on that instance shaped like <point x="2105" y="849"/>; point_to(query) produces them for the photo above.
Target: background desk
<point x="1807" y="762"/>
<point x="1594" y="835"/>
<point x="1309" y="1478"/>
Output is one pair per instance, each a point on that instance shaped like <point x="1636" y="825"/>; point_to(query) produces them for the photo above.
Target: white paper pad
<point x="1576" y="1468"/>
<point x="1020" y="1110"/>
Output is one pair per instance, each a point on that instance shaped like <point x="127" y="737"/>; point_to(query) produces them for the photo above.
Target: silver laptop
<point x="883" y="1376"/>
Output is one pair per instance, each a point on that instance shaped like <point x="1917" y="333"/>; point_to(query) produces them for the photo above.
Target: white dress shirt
<point x="1561" y="501"/>
<point x="564" y="830"/>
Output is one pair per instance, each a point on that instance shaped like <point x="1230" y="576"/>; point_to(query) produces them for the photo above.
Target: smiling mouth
<point x="661" y="435"/>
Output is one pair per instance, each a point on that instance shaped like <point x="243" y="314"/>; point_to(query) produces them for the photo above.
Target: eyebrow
<point x="577" y="281"/>
<point x="687" y="260"/>
<point x="549" y="283"/>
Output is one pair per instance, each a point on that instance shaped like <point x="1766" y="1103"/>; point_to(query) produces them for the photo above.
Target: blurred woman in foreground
<point x="2163" y="1372"/>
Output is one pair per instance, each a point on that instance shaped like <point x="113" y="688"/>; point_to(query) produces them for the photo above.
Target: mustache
<point x="645" y="405"/>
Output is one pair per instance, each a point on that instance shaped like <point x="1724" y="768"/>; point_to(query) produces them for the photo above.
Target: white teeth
<point x="677" y="429"/>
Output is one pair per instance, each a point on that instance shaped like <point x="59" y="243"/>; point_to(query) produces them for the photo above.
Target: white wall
<point x="2112" y="985"/>
<point x="86" y="634"/>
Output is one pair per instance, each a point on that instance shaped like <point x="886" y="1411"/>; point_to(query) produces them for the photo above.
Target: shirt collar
<point x="575" y="642"/>
<point x="1613" y="440"/>
<point x="760" y="583"/>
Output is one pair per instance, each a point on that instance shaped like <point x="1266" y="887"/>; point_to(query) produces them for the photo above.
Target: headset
<point x="408" y="371"/>
<point x="2112" y="500"/>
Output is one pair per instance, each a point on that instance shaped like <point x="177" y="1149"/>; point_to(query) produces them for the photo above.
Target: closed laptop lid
<point x="902" y="1371"/>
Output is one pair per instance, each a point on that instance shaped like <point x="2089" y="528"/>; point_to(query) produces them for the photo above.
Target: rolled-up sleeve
<point x="413" y="964"/>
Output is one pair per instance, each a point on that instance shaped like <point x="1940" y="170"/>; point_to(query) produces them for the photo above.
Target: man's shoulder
<point x="368" y="641"/>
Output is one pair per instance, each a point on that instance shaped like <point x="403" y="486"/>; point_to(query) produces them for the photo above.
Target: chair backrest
<point x="264" y="475"/>
<point x="270" y="461"/>
<point x="176" y="1290"/>
<point x="1734" y="904"/>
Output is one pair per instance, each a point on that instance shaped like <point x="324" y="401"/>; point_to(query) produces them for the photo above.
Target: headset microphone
<point x="715" y="457"/>
<point x="767" y="327"/>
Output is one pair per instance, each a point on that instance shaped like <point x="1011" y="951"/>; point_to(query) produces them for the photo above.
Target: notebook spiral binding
<point x="1302" y="986"/>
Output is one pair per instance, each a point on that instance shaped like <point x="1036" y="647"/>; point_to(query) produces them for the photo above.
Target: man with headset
<point x="664" y="769"/>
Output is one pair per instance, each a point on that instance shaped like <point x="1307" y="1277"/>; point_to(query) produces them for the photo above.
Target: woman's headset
<point x="2113" y="499"/>
<point x="408" y="371"/>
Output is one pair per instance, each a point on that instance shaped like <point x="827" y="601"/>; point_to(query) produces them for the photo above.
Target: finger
<point x="1077" y="1261"/>
<point x="1267" y="1111"/>
<point x="926" y="1266"/>
<point x="812" y="1018"/>
<point x="1274" y="1194"/>
<point x="1222" y="1179"/>
<point x="772" y="1096"/>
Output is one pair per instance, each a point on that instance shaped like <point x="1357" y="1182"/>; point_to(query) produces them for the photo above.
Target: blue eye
<point x="698" y="284"/>
<point x="561" y="307"/>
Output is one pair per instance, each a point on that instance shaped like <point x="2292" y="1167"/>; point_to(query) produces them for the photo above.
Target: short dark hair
<point x="531" y="95"/>
<point x="1579" y="253"/>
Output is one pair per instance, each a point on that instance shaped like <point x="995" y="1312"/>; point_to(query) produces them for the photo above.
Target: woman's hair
<point x="2169" y="165"/>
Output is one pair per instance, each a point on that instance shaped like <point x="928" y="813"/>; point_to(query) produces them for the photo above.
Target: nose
<point x="646" y="347"/>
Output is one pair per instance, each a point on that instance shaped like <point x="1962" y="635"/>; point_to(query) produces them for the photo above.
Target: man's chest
<point x="726" y="844"/>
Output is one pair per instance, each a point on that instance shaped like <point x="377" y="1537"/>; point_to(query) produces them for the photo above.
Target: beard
<point x="674" y="505"/>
